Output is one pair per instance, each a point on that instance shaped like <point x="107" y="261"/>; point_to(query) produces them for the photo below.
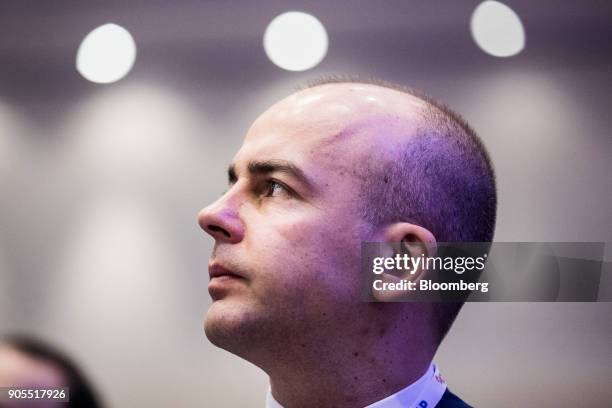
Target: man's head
<point x="26" y="362"/>
<point x="329" y="167"/>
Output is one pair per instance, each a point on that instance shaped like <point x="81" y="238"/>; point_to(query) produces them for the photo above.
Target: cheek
<point x="319" y="256"/>
<point x="304" y="255"/>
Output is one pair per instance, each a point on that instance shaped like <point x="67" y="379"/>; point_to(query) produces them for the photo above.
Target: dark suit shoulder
<point x="450" y="400"/>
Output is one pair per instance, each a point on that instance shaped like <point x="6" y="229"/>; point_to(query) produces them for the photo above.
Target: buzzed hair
<point x="441" y="179"/>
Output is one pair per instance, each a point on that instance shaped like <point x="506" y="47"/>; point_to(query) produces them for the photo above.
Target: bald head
<point x="436" y="172"/>
<point x="343" y="109"/>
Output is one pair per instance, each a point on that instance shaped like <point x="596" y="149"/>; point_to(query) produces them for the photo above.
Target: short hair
<point x="81" y="392"/>
<point x="442" y="179"/>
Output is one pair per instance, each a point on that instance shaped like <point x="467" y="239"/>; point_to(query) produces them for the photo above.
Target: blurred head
<point x="29" y="363"/>
<point x="318" y="173"/>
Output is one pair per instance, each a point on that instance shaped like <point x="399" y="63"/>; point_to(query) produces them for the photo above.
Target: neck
<point x="348" y="371"/>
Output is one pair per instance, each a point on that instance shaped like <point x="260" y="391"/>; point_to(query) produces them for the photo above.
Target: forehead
<point x="332" y="124"/>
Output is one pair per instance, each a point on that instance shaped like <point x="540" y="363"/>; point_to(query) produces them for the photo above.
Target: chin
<point x="228" y="324"/>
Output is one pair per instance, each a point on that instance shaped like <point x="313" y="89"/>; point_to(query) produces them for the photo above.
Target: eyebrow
<point x="263" y="167"/>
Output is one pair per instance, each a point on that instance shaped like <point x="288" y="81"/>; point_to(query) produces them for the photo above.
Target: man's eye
<point x="273" y="189"/>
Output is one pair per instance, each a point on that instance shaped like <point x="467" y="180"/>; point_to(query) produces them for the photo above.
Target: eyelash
<point x="268" y="188"/>
<point x="263" y="189"/>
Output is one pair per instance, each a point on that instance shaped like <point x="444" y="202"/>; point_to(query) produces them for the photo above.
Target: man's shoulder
<point x="450" y="400"/>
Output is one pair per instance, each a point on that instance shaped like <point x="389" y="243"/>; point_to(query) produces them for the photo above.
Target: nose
<point x="222" y="222"/>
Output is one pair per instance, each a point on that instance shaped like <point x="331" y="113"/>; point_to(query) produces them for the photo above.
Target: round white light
<point x="295" y="41"/>
<point x="106" y="54"/>
<point x="497" y="29"/>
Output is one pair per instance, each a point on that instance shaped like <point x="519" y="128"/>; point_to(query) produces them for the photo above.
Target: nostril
<point x="215" y="228"/>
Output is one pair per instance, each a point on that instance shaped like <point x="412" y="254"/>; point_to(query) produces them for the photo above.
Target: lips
<point x="223" y="281"/>
<point x="216" y="270"/>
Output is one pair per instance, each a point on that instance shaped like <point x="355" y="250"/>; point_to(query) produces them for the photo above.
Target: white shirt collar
<point x="403" y="398"/>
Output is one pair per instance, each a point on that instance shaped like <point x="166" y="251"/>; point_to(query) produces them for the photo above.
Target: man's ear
<point x="405" y="239"/>
<point x="416" y="239"/>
